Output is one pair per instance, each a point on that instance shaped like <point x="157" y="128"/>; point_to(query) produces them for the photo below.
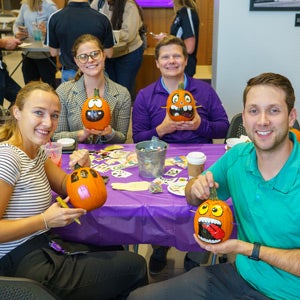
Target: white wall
<point x="247" y="43"/>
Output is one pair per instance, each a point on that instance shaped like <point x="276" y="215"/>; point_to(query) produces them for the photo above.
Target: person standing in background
<point x="67" y="24"/>
<point x="33" y="16"/>
<point x="126" y="16"/>
<point x="8" y="87"/>
<point x="186" y="26"/>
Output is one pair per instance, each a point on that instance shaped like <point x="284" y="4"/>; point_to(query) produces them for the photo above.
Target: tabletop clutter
<point x="155" y="168"/>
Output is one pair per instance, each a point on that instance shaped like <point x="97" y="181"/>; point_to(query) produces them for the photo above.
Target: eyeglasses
<point x="84" y="58"/>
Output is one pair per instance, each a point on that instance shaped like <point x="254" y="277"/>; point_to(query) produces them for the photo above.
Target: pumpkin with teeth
<point x="181" y="105"/>
<point x="95" y="113"/>
<point x="213" y="221"/>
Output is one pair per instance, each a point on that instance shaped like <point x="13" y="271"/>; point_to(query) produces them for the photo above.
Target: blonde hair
<point x="178" y="4"/>
<point x="10" y="128"/>
<point x="34" y="5"/>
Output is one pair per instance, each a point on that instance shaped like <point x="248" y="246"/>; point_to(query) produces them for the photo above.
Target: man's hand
<point x="9" y="43"/>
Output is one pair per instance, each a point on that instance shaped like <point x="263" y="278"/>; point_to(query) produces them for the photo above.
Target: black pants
<point x="8" y="87"/>
<point x="216" y="282"/>
<point x="95" y="275"/>
<point x="39" y="69"/>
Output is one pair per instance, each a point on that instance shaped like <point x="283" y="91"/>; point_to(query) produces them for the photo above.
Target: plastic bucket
<point x="151" y="157"/>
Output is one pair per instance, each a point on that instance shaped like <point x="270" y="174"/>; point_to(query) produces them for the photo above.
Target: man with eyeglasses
<point x="66" y="25"/>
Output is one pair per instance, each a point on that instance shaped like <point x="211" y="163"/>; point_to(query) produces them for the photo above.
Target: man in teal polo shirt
<point x="263" y="180"/>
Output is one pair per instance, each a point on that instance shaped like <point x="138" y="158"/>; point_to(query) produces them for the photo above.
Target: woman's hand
<point x="81" y="157"/>
<point x="57" y="216"/>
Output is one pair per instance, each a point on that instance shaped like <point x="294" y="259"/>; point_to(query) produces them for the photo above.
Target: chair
<point x="23" y="288"/>
<point x="236" y="128"/>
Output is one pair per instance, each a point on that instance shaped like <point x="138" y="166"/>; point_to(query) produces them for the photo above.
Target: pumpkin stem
<point x="77" y="166"/>
<point x="96" y="93"/>
<point x="181" y="86"/>
<point x="213" y="193"/>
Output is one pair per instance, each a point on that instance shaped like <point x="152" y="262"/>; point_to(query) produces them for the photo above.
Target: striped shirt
<point x="32" y="192"/>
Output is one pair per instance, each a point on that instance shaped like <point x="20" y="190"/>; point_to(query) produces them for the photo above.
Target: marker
<point x="65" y="205"/>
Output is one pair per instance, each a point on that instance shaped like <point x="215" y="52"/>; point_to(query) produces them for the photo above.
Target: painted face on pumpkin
<point x="182" y="105"/>
<point x="95" y="112"/>
<point x="213" y="221"/>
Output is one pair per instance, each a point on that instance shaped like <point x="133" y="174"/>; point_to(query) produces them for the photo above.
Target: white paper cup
<point x="196" y="162"/>
<point x="232" y="142"/>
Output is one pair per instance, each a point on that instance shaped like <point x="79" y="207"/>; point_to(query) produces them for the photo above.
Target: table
<point x="31" y="45"/>
<point x="141" y="217"/>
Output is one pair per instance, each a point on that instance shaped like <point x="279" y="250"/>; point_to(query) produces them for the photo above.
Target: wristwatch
<point x="255" y="252"/>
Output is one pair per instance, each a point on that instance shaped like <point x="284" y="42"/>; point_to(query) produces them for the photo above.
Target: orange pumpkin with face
<point x="95" y="113"/>
<point x="86" y="188"/>
<point x="213" y="221"/>
<point x="181" y="105"/>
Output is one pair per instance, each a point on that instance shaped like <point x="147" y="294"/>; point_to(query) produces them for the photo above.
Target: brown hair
<point x="170" y="40"/>
<point x="10" y="128"/>
<point x="275" y="80"/>
<point x="78" y="42"/>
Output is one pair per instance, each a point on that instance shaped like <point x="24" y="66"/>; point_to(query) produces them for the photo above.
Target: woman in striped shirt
<point x="27" y="176"/>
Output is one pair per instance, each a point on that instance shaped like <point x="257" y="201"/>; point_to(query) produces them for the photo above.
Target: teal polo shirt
<point x="267" y="212"/>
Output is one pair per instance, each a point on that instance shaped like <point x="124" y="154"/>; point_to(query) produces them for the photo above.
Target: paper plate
<point x="177" y="189"/>
<point x="66" y="142"/>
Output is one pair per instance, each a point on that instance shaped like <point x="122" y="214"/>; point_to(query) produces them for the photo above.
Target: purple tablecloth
<point x="141" y="217"/>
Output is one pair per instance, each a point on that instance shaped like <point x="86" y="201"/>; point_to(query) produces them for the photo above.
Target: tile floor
<point x="175" y="265"/>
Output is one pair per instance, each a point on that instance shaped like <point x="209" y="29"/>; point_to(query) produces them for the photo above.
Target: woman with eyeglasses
<point x="90" y="59"/>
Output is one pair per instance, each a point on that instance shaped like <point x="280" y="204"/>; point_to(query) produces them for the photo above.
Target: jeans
<point x="67" y="75"/>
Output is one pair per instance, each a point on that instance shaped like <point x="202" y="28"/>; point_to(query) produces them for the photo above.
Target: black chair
<point x="23" y="289"/>
<point x="236" y="128"/>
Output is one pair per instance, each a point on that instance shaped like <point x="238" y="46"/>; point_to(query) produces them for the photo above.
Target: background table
<point x="141" y="217"/>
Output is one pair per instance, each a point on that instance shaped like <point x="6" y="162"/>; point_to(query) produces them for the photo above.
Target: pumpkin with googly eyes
<point x="181" y="105"/>
<point x="95" y="113"/>
<point x="213" y="221"/>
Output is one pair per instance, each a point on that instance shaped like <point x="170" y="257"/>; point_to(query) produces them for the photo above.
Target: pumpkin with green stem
<point x="95" y="112"/>
<point x="213" y="221"/>
<point x="86" y="188"/>
<point x="181" y="105"/>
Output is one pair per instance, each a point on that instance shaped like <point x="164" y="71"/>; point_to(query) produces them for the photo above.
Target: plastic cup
<point x="37" y="35"/>
<point x="54" y="151"/>
<point x="232" y="142"/>
<point x="196" y="162"/>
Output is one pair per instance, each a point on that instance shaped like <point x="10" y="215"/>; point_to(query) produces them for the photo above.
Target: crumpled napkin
<point x="131" y="186"/>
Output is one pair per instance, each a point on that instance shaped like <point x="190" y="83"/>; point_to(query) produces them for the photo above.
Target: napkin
<point x="131" y="186"/>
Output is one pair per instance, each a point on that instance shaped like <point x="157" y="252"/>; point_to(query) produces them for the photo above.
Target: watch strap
<point x="255" y="252"/>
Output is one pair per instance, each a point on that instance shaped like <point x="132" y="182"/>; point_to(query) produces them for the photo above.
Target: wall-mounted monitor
<point x="155" y="3"/>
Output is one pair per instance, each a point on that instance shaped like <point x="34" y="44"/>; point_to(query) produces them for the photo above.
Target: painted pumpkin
<point x="213" y="221"/>
<point x="86" y="188"/>
<point x="95" y="113"/>
<point x="297" y="133"/>
<point x="181" y="105"/>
